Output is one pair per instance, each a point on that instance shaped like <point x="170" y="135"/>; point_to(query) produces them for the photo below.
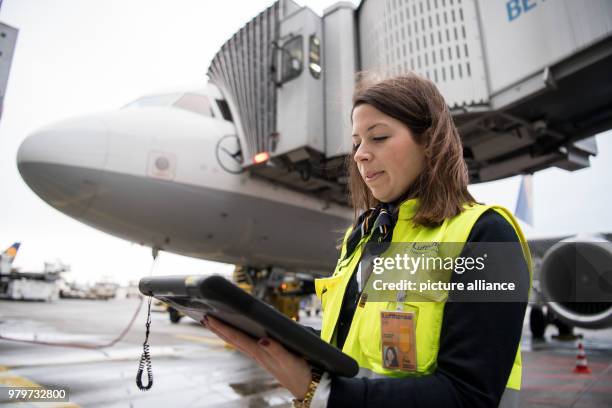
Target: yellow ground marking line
<point x="8" y="379"/>
<point x="211" y="341"/>
<point x="16" y="381"/>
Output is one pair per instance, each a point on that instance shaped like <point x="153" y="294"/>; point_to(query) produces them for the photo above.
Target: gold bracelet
<point x="312" y="387"/>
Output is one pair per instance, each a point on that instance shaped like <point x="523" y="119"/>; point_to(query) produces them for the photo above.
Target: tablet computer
<point x="197" y="296"/>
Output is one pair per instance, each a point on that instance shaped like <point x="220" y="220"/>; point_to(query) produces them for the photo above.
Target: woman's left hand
<point x="292" y="371"/>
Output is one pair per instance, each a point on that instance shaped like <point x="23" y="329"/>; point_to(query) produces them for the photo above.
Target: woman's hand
<point x="292" y="371"/>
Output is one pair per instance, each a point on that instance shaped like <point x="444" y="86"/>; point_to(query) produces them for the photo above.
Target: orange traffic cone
<point x="582" y="366"/>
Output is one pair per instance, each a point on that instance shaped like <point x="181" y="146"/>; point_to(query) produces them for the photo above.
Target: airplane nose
<point x="63" y="163"/>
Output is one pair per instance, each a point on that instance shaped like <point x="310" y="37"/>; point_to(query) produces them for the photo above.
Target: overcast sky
<point x="76" y="57"/>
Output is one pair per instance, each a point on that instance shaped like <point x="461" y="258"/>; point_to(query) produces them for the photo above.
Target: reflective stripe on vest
<point x="363" y="340"/>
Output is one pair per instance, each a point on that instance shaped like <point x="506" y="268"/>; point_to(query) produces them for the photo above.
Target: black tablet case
<point x="199" y="295"/>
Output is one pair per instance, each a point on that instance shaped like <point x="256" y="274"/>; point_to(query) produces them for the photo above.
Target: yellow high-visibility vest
<point x="363" y="342"/>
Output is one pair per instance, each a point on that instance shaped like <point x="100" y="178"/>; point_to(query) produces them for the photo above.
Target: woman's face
<point x="388" y="158"/>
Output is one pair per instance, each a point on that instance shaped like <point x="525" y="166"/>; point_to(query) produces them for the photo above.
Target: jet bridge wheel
<point x="175" y="315"/>
<point x="537" y="323"/>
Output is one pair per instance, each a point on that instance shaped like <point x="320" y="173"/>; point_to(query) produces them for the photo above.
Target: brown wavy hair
<point x="416" y="102"/>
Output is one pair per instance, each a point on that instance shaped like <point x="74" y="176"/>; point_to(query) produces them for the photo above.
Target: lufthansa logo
<point x="425" y="246"/>
<point x="229" y="154"/>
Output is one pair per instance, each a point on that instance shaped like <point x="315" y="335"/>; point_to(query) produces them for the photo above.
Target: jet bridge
<point x="527" y="82"/>
<point x="271" y="75"/>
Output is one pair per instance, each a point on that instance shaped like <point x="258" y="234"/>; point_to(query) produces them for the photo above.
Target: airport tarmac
<point x="192" y="368"/>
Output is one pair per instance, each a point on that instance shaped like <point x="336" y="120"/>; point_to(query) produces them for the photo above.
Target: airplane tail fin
<point x="7" y="257"/>
<point x="11" y="251"/>
<point x="524" y="203"/>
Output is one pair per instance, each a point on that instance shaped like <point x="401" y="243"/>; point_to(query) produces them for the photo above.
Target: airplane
<point x="15" y="284"/>
<point x="166" y="171"/>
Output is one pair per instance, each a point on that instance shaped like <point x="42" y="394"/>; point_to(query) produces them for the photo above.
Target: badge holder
<point x="398" y="338"/>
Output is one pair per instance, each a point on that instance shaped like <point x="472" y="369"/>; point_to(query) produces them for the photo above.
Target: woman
<point x="408" y="179"/>
<point x="391" y="357"/>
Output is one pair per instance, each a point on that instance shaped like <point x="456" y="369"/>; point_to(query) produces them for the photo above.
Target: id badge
<point x="398" y="340"/>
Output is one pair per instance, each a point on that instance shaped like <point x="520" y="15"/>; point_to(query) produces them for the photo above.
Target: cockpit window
<point x="195" y="103"/>
<point x="154" y="100"/>
<point x="188" y="101"/>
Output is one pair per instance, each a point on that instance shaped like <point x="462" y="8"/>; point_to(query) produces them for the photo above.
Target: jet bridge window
<point x="195" y="103"/>
<point x="224" y="109"/>
<point x="314" y="56"/>
<point x="292" y="59"/>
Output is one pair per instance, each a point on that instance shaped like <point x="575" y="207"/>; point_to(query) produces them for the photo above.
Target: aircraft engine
<point x="576" y="281"/>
